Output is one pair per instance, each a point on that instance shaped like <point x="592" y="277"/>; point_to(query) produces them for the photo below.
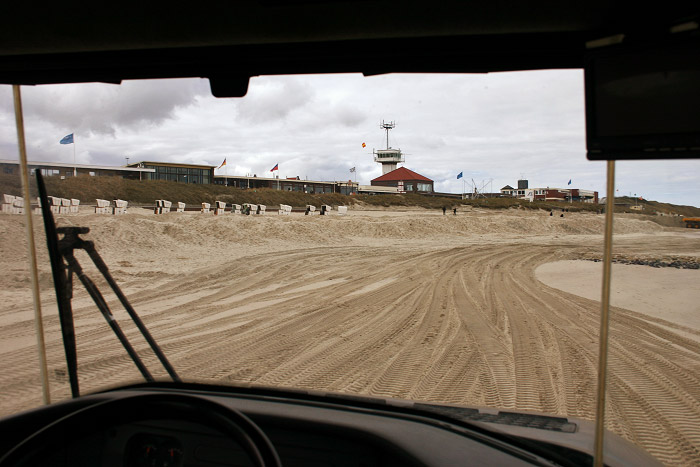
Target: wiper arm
<point x="64" y="265"/>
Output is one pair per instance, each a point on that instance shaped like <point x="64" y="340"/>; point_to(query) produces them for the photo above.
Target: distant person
<point x="550" y="213"/>
<point x="444" y="210"/>
<point x="561" y="215"/>
<point x="454" y="210"/>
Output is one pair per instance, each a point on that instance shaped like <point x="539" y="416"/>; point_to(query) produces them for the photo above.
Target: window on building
<point x="408" y="186"/>
<point x="423" y="187"/>
<point x="7" y="170"/>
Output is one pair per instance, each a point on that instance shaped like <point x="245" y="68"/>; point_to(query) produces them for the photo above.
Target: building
<point x="549" y="194"/>
<point x="508" y="191"/>
<point x="405" y="181"/>
<point x="286" y="184"/>
<point x="176" y="172"/>
<point x="63" y="170"/>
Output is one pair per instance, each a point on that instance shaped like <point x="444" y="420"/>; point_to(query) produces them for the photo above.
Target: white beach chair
<point x="120" y="206"/>
<point x="7" y="203"/>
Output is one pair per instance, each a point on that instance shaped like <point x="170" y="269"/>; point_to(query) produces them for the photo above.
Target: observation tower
<point x="388" y="157"/>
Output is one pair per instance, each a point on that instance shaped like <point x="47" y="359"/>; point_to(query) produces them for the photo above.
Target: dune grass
<point x="87" y="189"/>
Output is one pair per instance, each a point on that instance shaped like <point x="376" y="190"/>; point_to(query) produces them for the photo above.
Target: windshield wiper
<point x="63" y="266"/>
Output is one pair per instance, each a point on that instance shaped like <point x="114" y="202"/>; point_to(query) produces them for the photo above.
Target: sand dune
<point x="407" y="304"/>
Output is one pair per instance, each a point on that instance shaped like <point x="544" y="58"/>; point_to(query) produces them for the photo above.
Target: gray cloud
<point x="496" y="126"/>
<point x="270" y="99"/>
<point x="101" y="109"/>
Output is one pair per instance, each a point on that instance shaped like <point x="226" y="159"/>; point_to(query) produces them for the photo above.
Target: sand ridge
<point x="411" y="305"/>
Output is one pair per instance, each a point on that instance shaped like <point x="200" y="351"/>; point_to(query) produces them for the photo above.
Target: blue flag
<point x="68" y="139"/>
<point x="569" y="181"/>
<point x="459" y="176"/>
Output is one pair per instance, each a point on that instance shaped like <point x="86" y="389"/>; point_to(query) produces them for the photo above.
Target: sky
<point x="494" y="128"/>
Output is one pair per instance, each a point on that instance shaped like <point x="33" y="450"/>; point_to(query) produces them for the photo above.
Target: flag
<point x="68" y="139"/>
<point x="222" y="164"/>
<point x="569" y="182"/>
<point x="276" y="167"/>
<point x="364" y="145"/>
<point x="352" y="169"/>
<point x="460" y="175"/>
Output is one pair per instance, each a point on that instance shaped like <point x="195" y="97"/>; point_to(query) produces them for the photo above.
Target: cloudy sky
<point x="495" y="128"/>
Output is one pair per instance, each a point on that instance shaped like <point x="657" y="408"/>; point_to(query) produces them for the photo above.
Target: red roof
<point x="402" y="173"/>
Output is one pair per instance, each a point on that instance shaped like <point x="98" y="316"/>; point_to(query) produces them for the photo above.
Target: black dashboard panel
<point x="303" y="432"/>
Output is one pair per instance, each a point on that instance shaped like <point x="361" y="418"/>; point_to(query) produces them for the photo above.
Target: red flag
<point x="222" y="164"/>
<point x="364" y="145"/>
<point x="276" y="167"/>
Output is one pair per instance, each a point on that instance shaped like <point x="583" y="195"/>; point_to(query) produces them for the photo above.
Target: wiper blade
<point x="64" y="265"/>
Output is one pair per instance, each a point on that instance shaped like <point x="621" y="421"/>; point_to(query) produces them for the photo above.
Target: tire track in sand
<point x="466" y="325"/>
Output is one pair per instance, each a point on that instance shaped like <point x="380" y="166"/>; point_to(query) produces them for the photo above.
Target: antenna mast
<point x="386" y="126"/>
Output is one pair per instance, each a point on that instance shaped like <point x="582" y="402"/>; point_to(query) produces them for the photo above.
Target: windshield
<point x="460" y="261"/>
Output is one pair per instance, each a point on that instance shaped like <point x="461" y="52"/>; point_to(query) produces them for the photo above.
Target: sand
<point x="665" y="293"/>
<point x="480" y="309"/>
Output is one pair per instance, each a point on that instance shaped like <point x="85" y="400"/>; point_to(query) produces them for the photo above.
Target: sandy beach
<point x="485" y="308"/>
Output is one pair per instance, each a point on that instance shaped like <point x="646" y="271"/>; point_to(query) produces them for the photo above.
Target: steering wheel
<point x="134" y="408"/>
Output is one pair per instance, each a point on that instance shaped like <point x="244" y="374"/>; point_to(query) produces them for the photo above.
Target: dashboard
<point x="159" y="424"/>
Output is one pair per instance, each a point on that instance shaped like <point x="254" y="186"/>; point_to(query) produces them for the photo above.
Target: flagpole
<point x="31" y="246"/>
<point x="75" y="169"/>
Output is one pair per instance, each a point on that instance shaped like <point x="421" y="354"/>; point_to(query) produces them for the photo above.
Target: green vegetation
<point x="435" y="202"/>
<point x="87" y="189"/>
<point x="625" y="203"/>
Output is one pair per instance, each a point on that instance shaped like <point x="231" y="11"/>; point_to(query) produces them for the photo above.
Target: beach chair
<point x="220" y="208"/>
<point x="7" y="203"/>
<point x="65" y="206"/>
<point x="17" y="205"/>
<point x="120" y="206"/>
<point x="103" y="206"/>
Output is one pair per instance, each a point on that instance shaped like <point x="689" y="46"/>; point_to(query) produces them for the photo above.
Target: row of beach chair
<point x="221" y="207"/>
<point x="15" y="205"/>
<point x="105" y="207"/>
